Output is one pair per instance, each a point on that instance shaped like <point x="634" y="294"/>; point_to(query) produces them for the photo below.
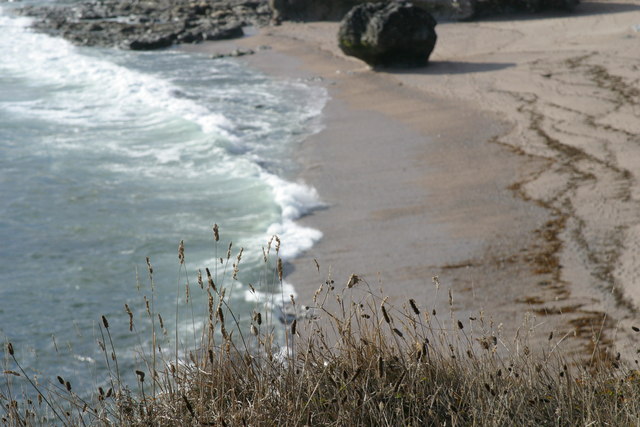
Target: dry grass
<point x="353" y="359"/>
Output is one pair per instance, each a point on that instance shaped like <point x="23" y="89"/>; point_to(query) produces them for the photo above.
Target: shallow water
<point x="109" y="157"/>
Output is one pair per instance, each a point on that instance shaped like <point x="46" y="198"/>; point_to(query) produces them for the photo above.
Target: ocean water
<point x="108" y="157"/>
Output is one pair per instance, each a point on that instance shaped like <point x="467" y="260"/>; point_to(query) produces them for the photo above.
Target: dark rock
<point x="335" y="10"/>
<point x="151" y="42"/>
<point x="478" y="8"/>
<point x="385" y="34"/>
<point x="540" y="5"/>
<point x="148" y="24"/>
<point x="233" y="54"/>
<point x="312" y="10"/>
<point x="229" y="32"/>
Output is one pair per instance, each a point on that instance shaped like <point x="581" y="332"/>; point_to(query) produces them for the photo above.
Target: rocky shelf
<point x="145" y="25"/>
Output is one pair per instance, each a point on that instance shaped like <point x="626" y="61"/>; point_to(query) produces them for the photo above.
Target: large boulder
<point x="386" y="34"/>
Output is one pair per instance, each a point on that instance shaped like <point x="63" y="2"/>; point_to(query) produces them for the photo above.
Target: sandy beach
<point x="507" y="167"/>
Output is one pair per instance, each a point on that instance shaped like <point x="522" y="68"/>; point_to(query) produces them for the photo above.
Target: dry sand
<point x="508" y="167"/>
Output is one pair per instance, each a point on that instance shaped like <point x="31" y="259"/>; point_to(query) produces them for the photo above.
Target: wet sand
<point x="507" y="167"/>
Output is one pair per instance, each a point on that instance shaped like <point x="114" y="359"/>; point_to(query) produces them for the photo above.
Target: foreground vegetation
<point x="351" y="359"/>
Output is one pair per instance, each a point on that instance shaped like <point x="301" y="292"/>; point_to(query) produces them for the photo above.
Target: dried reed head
<point x="181" y="252"/>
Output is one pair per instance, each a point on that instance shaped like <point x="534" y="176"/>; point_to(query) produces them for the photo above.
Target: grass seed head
<point x="380" y="367"/>
<point x="353" y="280"/>
<point x="385" y="314"/>
<point x="210" y="280"/>
<point x="181" y="252"/>
<point x="414" y="306"/>
<point x="216" y="234"/>
<point x="128" y="310"/>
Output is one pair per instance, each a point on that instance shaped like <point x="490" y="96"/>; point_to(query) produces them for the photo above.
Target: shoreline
<point x="505" y="216"/>
<point x="398" y="229"/>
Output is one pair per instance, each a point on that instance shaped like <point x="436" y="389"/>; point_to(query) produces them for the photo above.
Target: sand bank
<point x="507" y="167"/>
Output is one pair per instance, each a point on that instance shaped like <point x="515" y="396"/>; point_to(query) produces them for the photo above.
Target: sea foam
<point x="110" y="156"/>
<point x="295" y="200"/>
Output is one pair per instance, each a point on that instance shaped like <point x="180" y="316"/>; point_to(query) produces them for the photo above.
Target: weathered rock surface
<point x="148" y="24"/>
<point x="335" y="10"/>
<point x="313" y="10"/>
<point x="468" y="9"/>
<point x="386" y="34"/>
<point x="152" y="24"/>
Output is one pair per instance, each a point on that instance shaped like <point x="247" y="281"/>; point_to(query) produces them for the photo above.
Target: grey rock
<point x="148" y="24"/>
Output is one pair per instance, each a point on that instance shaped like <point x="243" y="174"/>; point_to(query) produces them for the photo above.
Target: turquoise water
<point x="108" y="157"/>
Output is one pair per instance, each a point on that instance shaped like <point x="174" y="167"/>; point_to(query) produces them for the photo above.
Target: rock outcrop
<point x="150" y="24"/>
<point x="312" y="10"/>
<point x="335" y="10"/>
<point x="387" y="34"/>
<point x="153" y="24"/>
<point x="468" y="9"/>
